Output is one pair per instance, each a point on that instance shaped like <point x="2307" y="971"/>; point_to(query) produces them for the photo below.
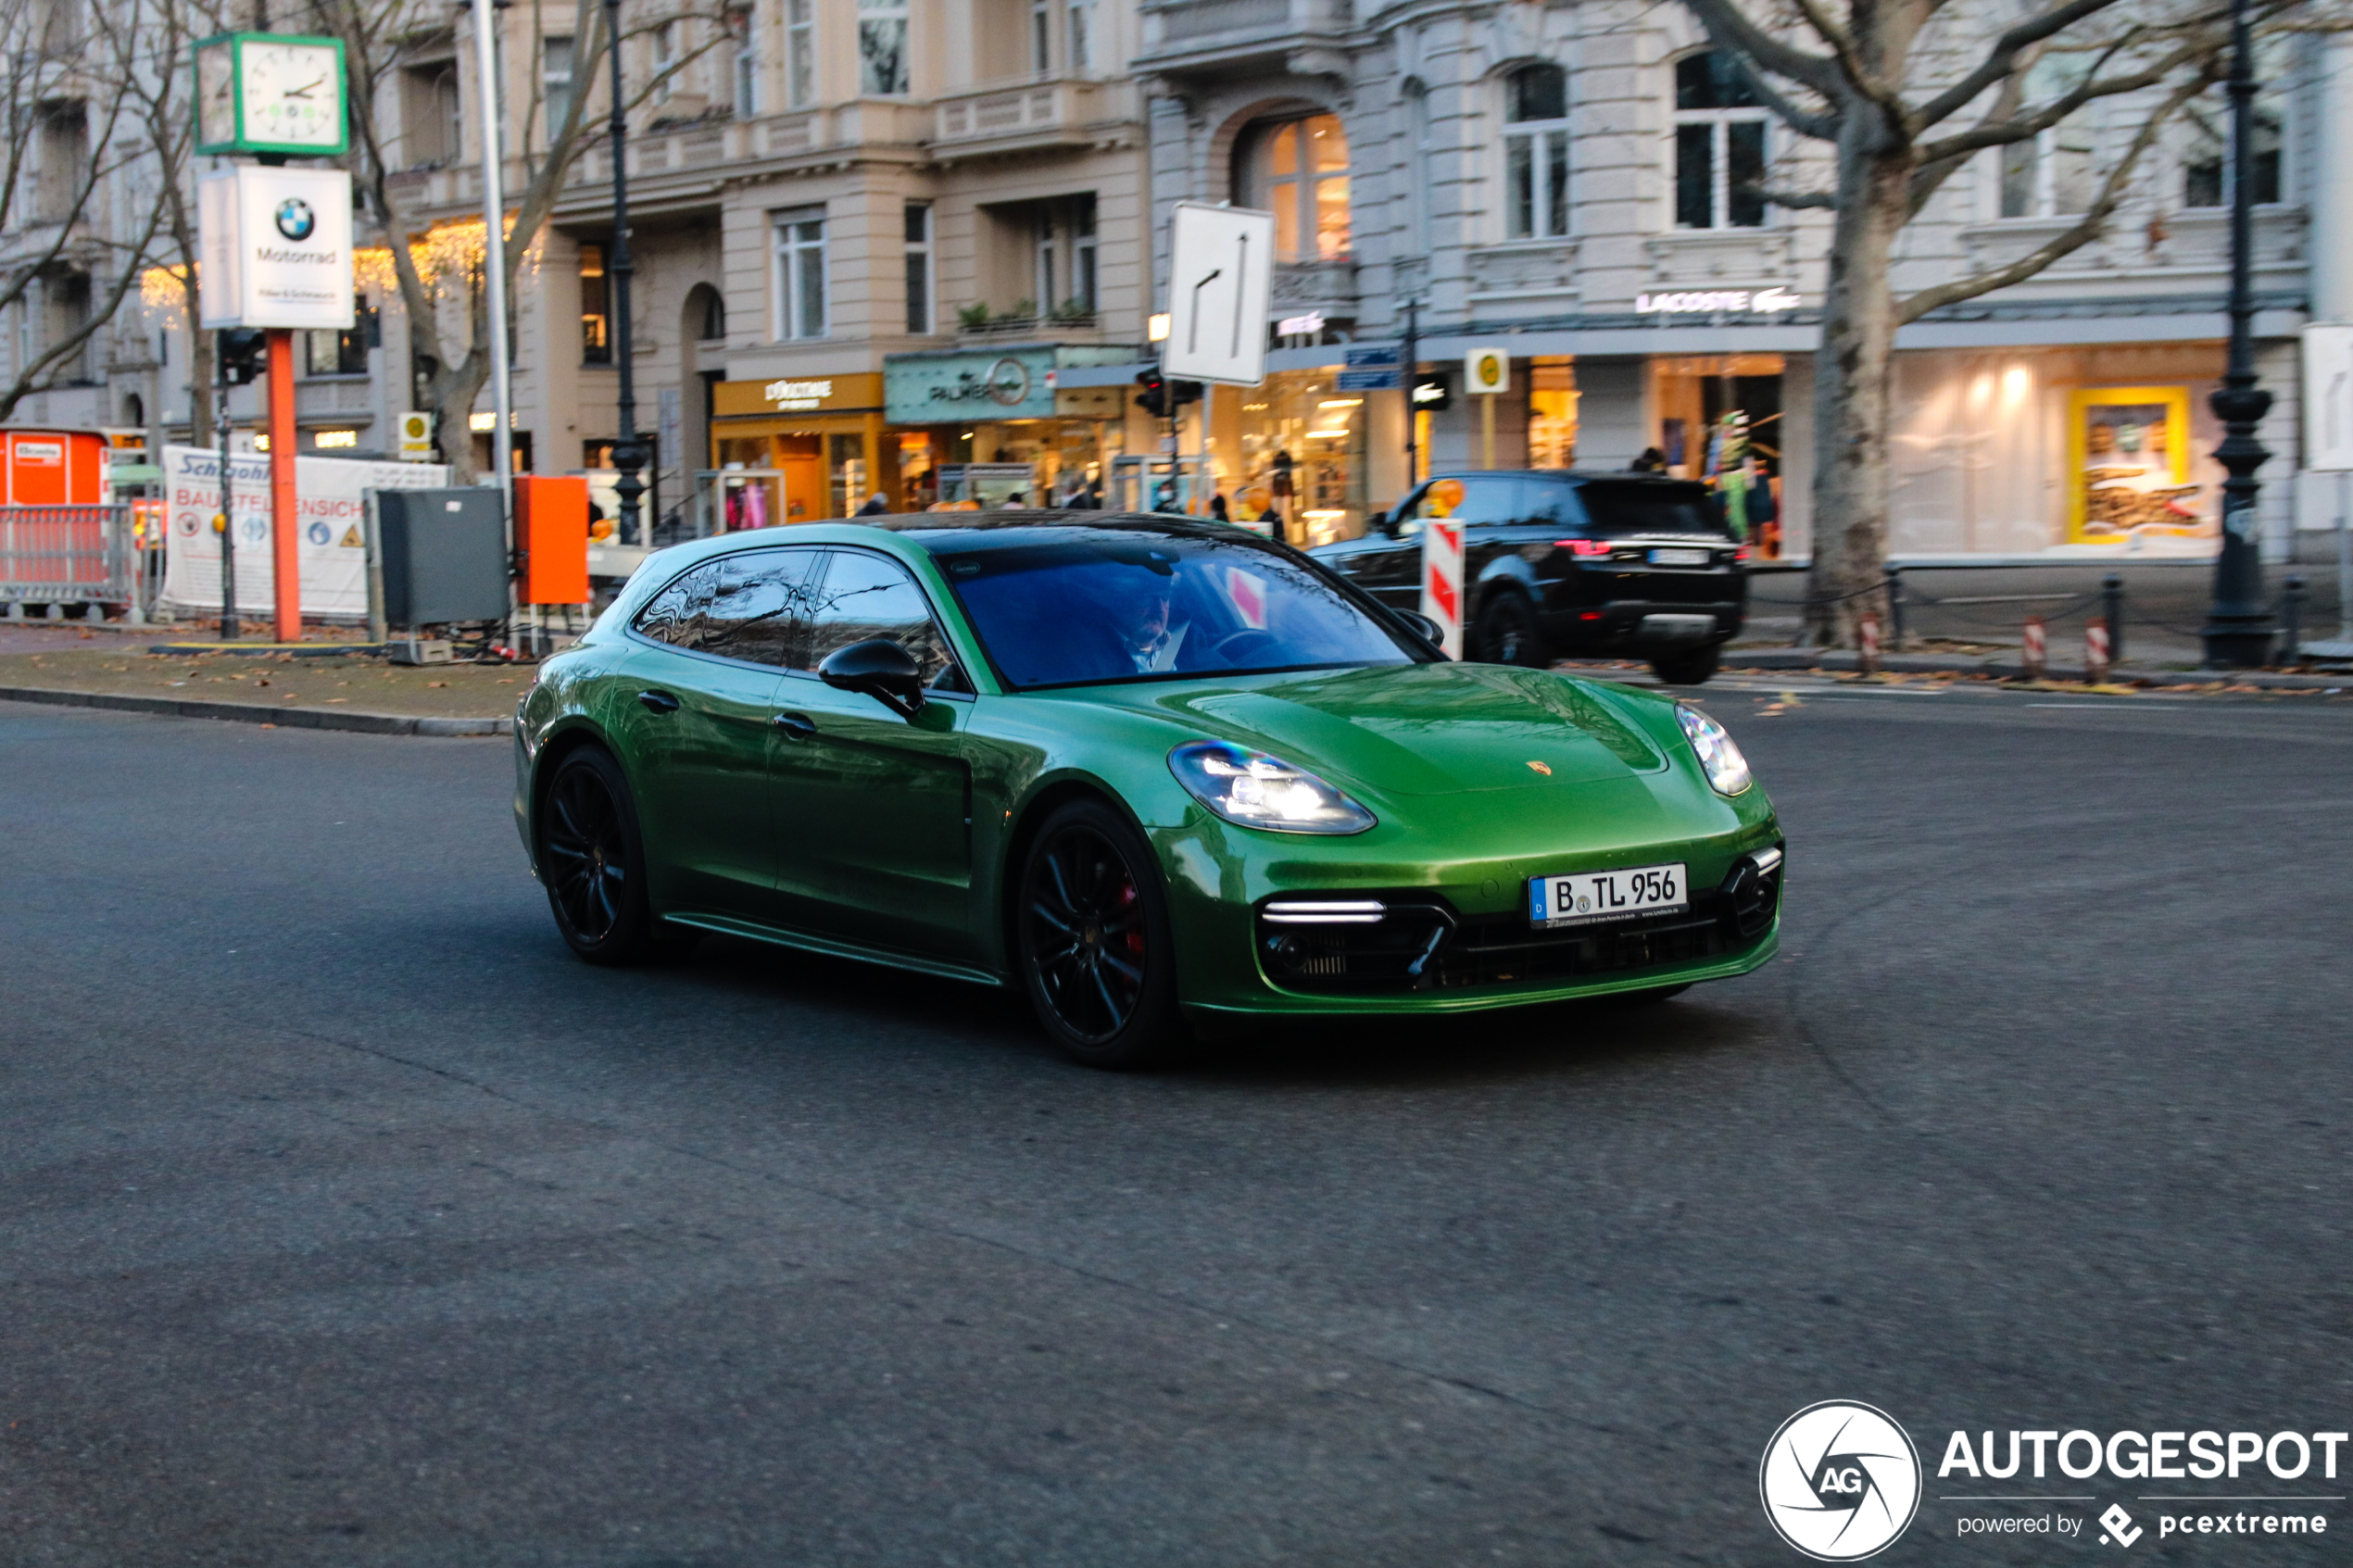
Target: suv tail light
<point x="1587" y="547"/>
<point x="1744" y="552"/>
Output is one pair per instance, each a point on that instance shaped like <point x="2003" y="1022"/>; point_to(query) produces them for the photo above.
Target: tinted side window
<point x="866" y="596"/>
<point x="1552" y="504"/>
<point x="752" y="606"/>
<point x="1472" y="498"/>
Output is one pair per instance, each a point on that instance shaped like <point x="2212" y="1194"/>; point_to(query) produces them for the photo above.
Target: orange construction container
<point x="55" y="468"/>
<point x="551" y="538"/>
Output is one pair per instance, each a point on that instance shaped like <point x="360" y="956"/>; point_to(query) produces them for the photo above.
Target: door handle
<point x="661" y="702"/>
<point x="800" y="726"/>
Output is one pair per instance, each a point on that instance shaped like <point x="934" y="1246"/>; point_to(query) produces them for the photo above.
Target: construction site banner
<point x="332" y="540"/>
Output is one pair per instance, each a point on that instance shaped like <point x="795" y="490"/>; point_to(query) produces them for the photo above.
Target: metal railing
<point x="67" y="554"/>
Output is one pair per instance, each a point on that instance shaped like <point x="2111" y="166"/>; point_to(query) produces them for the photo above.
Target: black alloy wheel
<point x="1092" y="929"/>
<point x="1690" y="667"/>
<point x="592" y="860"/>
<point x="1508" y="633"/>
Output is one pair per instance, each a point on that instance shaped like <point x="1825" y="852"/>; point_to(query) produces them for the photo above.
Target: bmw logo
<point x="295" y="220"/>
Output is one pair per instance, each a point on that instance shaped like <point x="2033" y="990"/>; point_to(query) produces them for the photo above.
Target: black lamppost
<point x="628" y="451"/>
<point x="2238" y="625"/>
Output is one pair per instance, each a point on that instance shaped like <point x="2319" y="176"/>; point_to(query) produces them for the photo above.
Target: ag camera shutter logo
<point x="1839" y="1481"/>
<point x="295" y="219"/>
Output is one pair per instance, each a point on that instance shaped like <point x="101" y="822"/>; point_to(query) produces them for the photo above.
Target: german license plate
<point x="1679" y="558"/>
<point x="1584" y="897"/>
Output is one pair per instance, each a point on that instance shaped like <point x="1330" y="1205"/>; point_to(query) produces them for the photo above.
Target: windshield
<point x="1618" y="509"/>
<point x="1083" y="610"/>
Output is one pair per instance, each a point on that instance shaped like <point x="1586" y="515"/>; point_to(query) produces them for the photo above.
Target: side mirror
<point x="880" y="669"/>
<point x="1389" y="521"/>
<point x="1423" y="626"/>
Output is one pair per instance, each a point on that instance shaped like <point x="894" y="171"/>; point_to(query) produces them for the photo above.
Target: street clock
<point x="271" y="92"/>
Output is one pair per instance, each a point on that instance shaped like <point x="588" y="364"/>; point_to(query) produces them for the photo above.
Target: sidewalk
<point x="2005" y="666"/>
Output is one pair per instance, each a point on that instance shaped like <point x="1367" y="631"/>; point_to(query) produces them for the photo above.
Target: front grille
<point x="1421" y="943"/>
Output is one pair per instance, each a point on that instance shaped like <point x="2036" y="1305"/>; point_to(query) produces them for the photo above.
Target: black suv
<point x="1556" y="564"/>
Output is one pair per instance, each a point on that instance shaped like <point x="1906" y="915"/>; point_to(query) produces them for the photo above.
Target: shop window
<point x="1536" y="153"/>
<point x="596" y="321"/>
<point x="800" y="53"/>
<point x="1719" y="145"/>
<point x="1297" y="171"/>
<point x="919" y="254"/>
<point x="743" y="27"/>
<point x="1064" y="258"/>
<point x="555" y="83"/>
<point x="1551" y="413"/>
<point x="882" y="47"/>
<point x="800" y="273"/>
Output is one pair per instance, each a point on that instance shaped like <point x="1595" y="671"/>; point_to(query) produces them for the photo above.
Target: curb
<point x="1842" y="661"/>
<point x="248" y="713"/>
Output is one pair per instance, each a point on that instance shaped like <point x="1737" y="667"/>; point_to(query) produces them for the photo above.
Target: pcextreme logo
<point x="1839" y="1481"/>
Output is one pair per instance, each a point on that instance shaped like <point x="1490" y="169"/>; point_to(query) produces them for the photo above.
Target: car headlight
<point x="1726" y="768"/>
<point x="1257" y="791"/>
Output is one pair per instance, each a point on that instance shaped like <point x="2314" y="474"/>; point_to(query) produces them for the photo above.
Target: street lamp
<point x="629" y="451"/>
<point x="2238" y="625"/>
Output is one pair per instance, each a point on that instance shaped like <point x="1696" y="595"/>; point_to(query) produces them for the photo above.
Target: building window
<point x="2204" y="152"/>
<point x="1081" y="35"/>
<point x="800" y="273"/>
<point x="741" y="24"/>
<point x="2051" y="175"/>
<point x="1420" y="169"/>
<point x="1297" y="171"/>
<point x="919" y="267"/>
<point x="1064" y="256"/>
<point x="329" y="351"/>
<point x="665" y="62"/>
<point x="1536" y="153"/>
<point x="1041" y="36"/>
<point x="800" y="53"/>
<point x="431" y="121"/>
<point x="596" y="318"/>
<point x="555" y="83"/>
<point x="1719" y="145"/>
<point x="882" y="47"/>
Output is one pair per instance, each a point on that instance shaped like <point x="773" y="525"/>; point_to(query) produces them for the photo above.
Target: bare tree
<point x="73" y="127"/>
<point x="438" y="269"/>
<point x="1901" y="93"/>
<point x="144" y="47"/>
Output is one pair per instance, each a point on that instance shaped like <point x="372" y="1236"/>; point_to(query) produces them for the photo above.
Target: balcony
<point x="1031" y="115"/>
<point x="1184" y="37"/>
<point x="1326" y="286"/>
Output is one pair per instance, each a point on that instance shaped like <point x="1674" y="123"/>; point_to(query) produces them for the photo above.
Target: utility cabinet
<point x="551" y="538"/>
<point x="444" y="555"/>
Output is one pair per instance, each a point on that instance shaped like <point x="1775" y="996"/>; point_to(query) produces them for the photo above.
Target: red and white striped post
<point x="1442" y="580"/>
<point x="2095" y="649"/>
<point x="2033" y="655"/>
<point x="1867" y="644"/>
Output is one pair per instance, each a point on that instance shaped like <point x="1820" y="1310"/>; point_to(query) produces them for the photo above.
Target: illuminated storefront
<point x="799" y="449"/>
<point x="1002" y="407"/>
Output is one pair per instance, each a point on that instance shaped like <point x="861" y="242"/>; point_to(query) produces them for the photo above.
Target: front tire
<point x="1508" y="633"/>
<point x="1092" y="933"/>
<point x="592" y="859"/>
<point x="1690" y="667"/>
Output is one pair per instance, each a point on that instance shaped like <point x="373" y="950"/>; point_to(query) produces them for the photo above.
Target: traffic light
<point x="1162" y="398"/>
<point x="244" y="355"/>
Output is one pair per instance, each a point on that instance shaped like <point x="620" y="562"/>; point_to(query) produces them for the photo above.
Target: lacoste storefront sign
<point x="1713" y="302"/>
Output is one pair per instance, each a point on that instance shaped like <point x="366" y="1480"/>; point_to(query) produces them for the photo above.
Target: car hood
<point x="1419" y="729"/>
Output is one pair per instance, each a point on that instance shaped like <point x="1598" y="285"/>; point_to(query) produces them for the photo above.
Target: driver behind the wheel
<point x="1145" y="634"/>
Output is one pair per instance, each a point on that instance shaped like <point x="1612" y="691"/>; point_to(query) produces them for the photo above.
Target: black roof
<point x="952" y="533"/>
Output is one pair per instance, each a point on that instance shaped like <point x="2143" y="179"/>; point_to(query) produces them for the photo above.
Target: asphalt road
<point x="345" y="1219"/>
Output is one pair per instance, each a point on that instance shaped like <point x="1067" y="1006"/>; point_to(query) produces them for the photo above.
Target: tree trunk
<point x="1852" y="394"/>
<point x="454" y="391"/>
<point x="201" y="373"/>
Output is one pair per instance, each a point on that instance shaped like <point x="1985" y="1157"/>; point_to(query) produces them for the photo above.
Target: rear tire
<point x="1507" y="632"/>
<point x="1093" y="938"/>
<point x="1690" y="667"/>
<point x="592" y="859"/>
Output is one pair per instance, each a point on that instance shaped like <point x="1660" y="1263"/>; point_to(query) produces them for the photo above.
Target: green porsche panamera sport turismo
<point x="1151" y="771"/>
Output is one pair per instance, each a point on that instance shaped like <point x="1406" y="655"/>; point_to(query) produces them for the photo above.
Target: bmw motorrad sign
<point x="276" y="244"/>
